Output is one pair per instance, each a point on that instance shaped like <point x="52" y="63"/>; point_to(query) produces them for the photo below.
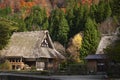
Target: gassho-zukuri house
<point x="35" y="48"/>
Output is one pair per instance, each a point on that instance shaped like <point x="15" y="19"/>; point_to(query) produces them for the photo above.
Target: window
<point x="44" y="43"/>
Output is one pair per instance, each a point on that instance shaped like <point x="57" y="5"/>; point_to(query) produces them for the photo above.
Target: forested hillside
<point x="74" y="24"/>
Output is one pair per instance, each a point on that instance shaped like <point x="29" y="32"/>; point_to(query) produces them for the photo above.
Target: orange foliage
<point x="87" y="1"/>
<point x="26" y="4"/>
<point x="63" y="9"/>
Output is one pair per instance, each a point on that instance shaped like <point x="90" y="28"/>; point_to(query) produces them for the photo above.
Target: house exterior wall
<point x="16" y="63"/>
<point x="92" y="66"/>
<point x="96" y="66"/>
<point x="39" y="64"/>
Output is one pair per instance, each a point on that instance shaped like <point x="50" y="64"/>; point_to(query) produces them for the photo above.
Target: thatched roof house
<point x="31" y="46"/>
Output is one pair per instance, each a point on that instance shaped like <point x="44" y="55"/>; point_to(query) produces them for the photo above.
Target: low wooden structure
<point x="96" y="63"/>
<point x="32" y="49"/>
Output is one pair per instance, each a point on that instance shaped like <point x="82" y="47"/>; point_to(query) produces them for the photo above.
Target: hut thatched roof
<point x="28" y="45"/>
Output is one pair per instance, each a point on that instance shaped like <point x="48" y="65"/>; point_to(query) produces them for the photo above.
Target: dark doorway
<point x="100" y="67"/>
<point x="30" y="63"/>
<point x="13" y="67"/>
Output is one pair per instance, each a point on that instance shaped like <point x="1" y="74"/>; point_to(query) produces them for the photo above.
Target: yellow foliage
<point x="77" y="41"/>
<point x="74" y="47"/>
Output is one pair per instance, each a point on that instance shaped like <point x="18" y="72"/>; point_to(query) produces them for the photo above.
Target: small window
<point x="44" y="43"/>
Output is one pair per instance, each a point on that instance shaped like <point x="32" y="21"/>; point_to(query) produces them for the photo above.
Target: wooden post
<point x="21" y="59"/>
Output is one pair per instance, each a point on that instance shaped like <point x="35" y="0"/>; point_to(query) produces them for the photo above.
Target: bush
<point x="76" y="69"/>
<point x="6" y="65"/>
<point x="114" y="70"/>
<point x="33" y="68"/>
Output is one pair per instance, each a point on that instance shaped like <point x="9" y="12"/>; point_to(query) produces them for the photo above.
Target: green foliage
<point x="6" y="65"/>
<point x="90" y="39"/>
<point x="93" y="11"/>
<point x="103" y="11"/>
<point x="4" y="36"/>
<point x="58" y="26"/>
<point x="113" y="51"/>
<point x="76" y="16"/>
<point x="115" y="5"/>
<point x="37" y="19"/>
<point x="5" y="11"/>
<point x="6" y="28"/>
<point x="108" y="10"/>
<point x="76" y="69"/>
<point x="70" y="18"/>
<point x="16" y="17"/>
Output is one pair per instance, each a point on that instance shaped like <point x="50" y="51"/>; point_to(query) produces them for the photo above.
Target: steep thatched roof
<point x="28" y="45"/>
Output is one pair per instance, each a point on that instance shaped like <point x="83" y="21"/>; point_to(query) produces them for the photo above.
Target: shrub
<point x="76" y="69"/>
<point x="114" y="70"/>
<point x="6" y="65"/>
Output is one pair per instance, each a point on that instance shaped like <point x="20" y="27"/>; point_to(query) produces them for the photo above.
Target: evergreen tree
<point x="76" y="17"/>
<point x="70" y="18"/>
<point x="103" y="11"/>
<point x="16" y="17"/>
<point x="93" y="11"/>
<point x="37" y="19"/>
<point x="6" y="28"/>
<point x="113" y="51"/>
<point x="81" y="14"/>
<point x="108" y="10"/>
<point x="115" y="5"/>
<point x="58" y="26"/>
<point x="90" y="39"/>
<point x="100" y="12"/>
<point x="5" y="11"/>
<point x="4" y="36"/>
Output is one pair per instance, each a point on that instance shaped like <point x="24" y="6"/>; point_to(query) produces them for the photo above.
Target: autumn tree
<point x="58" y="26"/>
<point x="73" y="49"/>
<point x="90" y="39"/>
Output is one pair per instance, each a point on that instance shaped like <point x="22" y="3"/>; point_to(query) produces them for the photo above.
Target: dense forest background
<point x="74" y="24"/>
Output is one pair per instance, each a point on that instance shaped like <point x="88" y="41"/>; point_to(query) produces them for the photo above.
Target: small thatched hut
<point x="96" y="63"/>
<point x="27" y="49"/>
